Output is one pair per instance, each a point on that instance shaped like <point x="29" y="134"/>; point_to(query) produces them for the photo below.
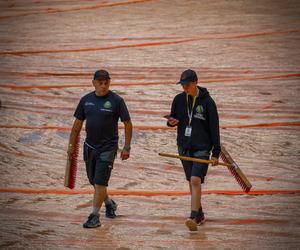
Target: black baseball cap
<point x="101" y="75"/>
<point x="188" y="76"/>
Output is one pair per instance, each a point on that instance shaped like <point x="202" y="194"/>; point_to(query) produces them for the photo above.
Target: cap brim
<point x="102" y="78"/>
<point x="183" y="82"/>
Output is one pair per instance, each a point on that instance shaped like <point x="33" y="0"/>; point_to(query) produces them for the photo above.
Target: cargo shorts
<point x="194" y="168"/>
<point x="98" y="164"/>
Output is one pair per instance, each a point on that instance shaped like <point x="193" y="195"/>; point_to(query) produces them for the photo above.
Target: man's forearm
<point x="75" y="132"/>
<point x="128" y="133"/>
<point x="73" y="136"/>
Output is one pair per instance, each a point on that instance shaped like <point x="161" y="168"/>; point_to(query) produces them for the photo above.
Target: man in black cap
<point x="101" y="109"/>
<point x="195" y="114"/>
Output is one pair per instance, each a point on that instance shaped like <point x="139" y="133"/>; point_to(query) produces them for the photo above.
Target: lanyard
<point x="190" y="114"/>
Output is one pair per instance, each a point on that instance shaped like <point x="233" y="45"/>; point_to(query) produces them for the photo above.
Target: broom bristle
<point x="235" y="171"/>
<point x="71" y="169"/>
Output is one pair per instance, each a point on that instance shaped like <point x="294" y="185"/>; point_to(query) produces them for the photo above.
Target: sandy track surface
<point x="246" y="53"/>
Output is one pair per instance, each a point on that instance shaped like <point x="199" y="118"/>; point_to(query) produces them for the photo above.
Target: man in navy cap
<point x="195" y="114"/>
<point x="101" y="109"/>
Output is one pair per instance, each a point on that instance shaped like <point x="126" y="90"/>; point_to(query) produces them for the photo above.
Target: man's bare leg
<point x="195" y="189"/>
<point x="100" y="195"/>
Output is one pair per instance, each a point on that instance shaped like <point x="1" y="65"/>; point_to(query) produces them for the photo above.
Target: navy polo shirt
<point x="102" y="114"/>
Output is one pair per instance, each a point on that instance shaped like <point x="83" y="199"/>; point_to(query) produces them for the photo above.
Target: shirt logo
<point x="199" y="113"/>
<point x="89" y="104"/>
<point x="107" y="105"/>
<point x="199" y="109"/>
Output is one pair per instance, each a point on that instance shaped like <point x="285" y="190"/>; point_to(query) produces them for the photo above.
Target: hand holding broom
<point x="186" y="158"/>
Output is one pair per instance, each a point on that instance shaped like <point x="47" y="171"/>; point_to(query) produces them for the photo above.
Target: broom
<point x="71" y="167"/>
<point x="186" y="158"/>
<point x="235" y="170"/>
<point x="232" y="166"/>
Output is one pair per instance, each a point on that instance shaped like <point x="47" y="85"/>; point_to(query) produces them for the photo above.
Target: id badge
<point x="188" y="131"/>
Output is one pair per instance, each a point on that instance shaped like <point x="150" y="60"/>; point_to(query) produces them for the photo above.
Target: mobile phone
<point x="167" y="116"/>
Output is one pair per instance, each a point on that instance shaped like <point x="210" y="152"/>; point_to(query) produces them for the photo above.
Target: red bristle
<point x="73" y="164"/>
<point x="233" y="171"/>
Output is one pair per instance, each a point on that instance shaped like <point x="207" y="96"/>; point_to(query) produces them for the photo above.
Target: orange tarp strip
<point x="141" y="127"/>
<point x="143" y="192"/>
<point x="273" y="124"/>
<point x="232" y="79"/>
<point x="56" y="10"/>
<point x="157" y="43"/>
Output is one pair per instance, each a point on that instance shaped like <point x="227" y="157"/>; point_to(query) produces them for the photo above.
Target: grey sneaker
<point x="110" y="209"/>
<point x="92" y="222"/>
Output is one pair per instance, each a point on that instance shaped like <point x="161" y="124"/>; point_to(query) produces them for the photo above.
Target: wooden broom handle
<point x="186" y="158"/>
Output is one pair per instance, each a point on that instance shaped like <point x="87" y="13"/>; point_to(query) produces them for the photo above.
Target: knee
<point x="99" y="188"/>
<point x="195" y="181"/>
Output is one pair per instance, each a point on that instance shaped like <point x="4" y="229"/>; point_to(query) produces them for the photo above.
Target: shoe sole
<point x="98" y="225"/>
<point x="191" y="225"/>
<point x="92" y="227"/>
<point x="110" y="217"/>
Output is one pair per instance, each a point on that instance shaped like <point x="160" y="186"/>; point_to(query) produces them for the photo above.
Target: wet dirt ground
<point x="246" y="53"/>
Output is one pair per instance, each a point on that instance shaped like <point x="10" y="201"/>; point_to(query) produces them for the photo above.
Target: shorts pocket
<point x="108" y="156"/>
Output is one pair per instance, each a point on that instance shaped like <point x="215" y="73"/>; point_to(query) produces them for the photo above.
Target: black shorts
<point x="195" y="168"/>
<point x="98" y="164"/>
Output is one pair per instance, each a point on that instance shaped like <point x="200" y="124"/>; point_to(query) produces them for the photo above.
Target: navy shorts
<point x="98" y="164"/>
<point x="195" y="168"/>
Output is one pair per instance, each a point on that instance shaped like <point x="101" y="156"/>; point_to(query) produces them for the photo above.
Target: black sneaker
<point x="200" y="219"/>
<point x="111" y="207"/>
<point x="92" y="222"/>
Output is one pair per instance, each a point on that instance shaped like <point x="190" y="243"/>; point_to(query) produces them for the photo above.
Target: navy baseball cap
<point x="101" y="75"/>
<point x="188" y="76"/>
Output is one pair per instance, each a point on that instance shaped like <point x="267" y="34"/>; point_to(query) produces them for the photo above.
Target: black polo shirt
<point x="102" y="114"/>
